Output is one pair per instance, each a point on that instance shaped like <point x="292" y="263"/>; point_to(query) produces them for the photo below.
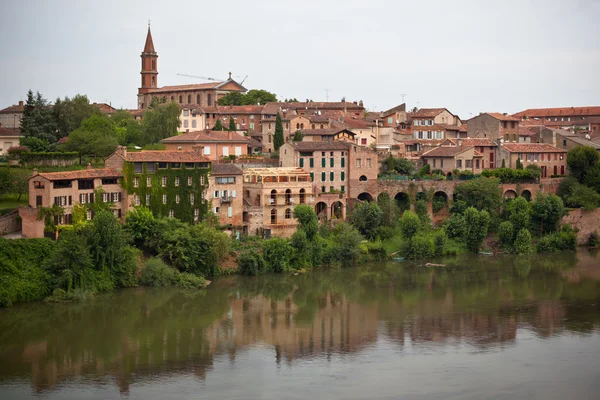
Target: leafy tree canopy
<point x="160" y="121"/>
<point x="252" y="97"/>
<point x="97" y="137"/>
<point x="580" y="160"/>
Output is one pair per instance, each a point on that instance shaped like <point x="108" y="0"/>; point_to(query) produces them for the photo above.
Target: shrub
<point x="186" y="280"/>
<point x="593" y="239"/>
<point x="16" y="151"/>
<point x="420" y="246"/>
<point x="367" y="217"/>
<point x="409" y="224"/>
<point x="425" y="170"/>
<point x="158" y="274"/>
<point x="522" y="244"/>
<point x="251" y="263"/>
<point x="439" y="241"/>
<point x="276" y="253"/>
<point x="566" y="239"/>
<point x="456" y="226"/>
<point x="477" y="223"/>
<point x="385" y="232"/>
<point x="376" y="250"/>
<point x="506" y="233"/>
<point x="421" y="208"/>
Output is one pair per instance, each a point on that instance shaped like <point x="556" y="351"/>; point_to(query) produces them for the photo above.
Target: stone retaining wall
<point x="10" y="223"/>
<point x="586" y="221"/>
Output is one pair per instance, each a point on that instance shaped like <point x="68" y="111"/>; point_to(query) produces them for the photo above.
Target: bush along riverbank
<point x="100" y="255"/>
<point x="103" y="254"/>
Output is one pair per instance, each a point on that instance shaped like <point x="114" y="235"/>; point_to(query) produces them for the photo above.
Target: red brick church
<point x="200" y="94"/>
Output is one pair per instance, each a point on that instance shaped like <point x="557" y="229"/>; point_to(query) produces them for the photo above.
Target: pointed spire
<point x="149" y="46"/>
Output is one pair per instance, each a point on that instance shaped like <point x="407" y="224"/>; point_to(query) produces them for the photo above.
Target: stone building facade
<point x="494" y="126"/>
<point x="552" y="160"/>
<point x="226" y="194"/>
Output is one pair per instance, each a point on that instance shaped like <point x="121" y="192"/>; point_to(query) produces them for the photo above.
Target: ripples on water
<point x="479" y="328"/>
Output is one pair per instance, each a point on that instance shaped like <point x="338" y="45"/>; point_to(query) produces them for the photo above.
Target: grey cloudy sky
<point x="468" y="56"/>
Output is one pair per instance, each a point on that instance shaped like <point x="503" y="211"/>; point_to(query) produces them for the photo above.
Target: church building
<point x="193" y="95"/>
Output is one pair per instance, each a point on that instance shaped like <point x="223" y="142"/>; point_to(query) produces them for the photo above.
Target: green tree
<point x="592" y="177"/>
<point x="519" y="212"/>
<point x="276" y="253"/>
<point x="133" y="128"/>
<point x="38" y="120"/>
<point x="506" y="233"/>
<point x="519" y="164"/>
<point x="35" y="144"/>
<point x="307" y="218"/>
<point x="259" y="96"/>
<point x="409" y="224"/>
<point x="298" y="136"/>
<point x="141" y="225"/>
<point x="389" y="209"/>
<point x="71" y="263"/>
<point x="583" y="196"/>
<point x="97" y="137"/>
<point x="503" y="163"/>
<point x="231" y="99"/>
<point x="404" y="166"/>
<point x="546" y="212"/>
<point x="252" y="263"/>
<point x="70" y="113"/>
<point x="344" y="244"/>
<point x="535" y="170"/>
<point x="218" y="126"/>
<point x="232" y="126"/>
<point x="425" y="170"/>
<point x="278" y="139"/>
<point x="522" y="244"/>
<point x="367" y="218"/>
<point x="580" y="159"/>
<point x="477" y="223"/>
<point x="481" y="193"/>
<point x="160" y="121"/>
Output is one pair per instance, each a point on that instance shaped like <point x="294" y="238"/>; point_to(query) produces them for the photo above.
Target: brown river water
<point x="480" y="328"/>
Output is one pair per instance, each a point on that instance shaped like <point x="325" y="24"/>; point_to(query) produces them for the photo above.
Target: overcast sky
<point x="468" y="56"/>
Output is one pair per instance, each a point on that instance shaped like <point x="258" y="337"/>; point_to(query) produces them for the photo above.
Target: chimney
<point x="35" y="172"/>
<point x="504" y="113"/>
<point x="122" y="150"/>
<point x="229" y="135"/>
<point x="89" y="166"/>
<point x="360" y="103"/>
<point x="459" y="142"/>
<point x="187" y="131"/>
<point x="20" y="102"/>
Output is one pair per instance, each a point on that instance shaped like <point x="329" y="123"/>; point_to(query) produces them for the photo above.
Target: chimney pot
<point x="35" y="172"/>
<point x="89" y="166"/>
<point x="20" y="102"/>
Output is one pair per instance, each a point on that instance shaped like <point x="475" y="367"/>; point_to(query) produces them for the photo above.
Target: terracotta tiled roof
<point x="326" y="145"/>
<point x="472" y="142"/>
<point x="532" y="148"/>
<point x="105" y="108"/>
<point x="274" y="107"/>
<point x="400" y="107"/>
<point x="9" y="132"/>
<point x="240" y="109"/>
<point x="559" y="112"/>
<point x="13" y="109"/>
<point x="166" y="156"/>
<point x="446" y="151"/>
<point x="502" y="117"/>
<point x="177" y="88"/>
<point x="82" y="174"/>
<point x="207" y="136"/>
<point x="226" y="169"/>
<point x="323" y="132"/>
<point x="528" y="130"/>
<point x="428" y="112"/>
<point x="352" y="123"/>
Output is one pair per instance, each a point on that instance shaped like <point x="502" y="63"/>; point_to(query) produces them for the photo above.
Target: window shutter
<point x="70" y="200"/>
<point x="229" y="211"/>
<point x="91" y="197"/>
<point x="233" y="194"/>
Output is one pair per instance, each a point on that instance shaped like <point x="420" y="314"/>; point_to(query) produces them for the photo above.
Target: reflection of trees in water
<point x="145" y="333"/>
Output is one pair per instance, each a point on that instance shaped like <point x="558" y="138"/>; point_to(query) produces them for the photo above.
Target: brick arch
<point x="510" y="194"/>
<point x="365" y="196"/>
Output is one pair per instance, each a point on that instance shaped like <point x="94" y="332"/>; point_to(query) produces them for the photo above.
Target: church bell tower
<point x="149" y="71"/>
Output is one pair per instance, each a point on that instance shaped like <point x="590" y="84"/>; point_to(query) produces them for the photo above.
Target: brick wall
<point x="10" y="223"/>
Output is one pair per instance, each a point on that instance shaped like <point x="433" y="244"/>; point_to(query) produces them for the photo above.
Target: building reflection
<point x="151" y="335"/>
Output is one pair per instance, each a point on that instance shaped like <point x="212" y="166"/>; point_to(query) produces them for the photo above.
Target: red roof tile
<point x="166" y="156"/>
<point x="559" y="112"/>
<point x="352" y="123"/>
<point x="502" y="117"/>
<point x="251" y="109"/>
<point x="473" y="142"/>
<point x="446" y="151"/>
<point x="177" y="88"/>
<point x="428" y="112"/>
<point x="207" y="136"/>
<point x="17" y="108"/>
<point x="532" y="148"/>
<point x="9" y="132"/>
<point x="81" y="174"/>
<point x="226" y="169"/>
<point x="322" y="132"/>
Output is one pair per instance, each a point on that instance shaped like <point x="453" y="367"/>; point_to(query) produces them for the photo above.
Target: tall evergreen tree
<point x="232" y="126"/>
<point x="38" y="120"/>
<point x="278" y="138"/>
<point x="218" y="126"/>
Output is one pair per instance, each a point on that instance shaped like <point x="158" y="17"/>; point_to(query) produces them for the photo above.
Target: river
<point x="481" y="327"/>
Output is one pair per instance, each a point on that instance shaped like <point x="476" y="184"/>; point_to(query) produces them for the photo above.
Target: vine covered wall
<point x="185" y="209"/>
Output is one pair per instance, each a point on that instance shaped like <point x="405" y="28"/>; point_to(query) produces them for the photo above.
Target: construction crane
<point x="213" y="79"/>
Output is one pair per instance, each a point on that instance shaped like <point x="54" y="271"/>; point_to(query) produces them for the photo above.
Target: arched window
<point x="297" y="125"/>
<point x="302" y="125"/>
<point x="273" y="216"/>
<point x="273" y="200"/>
<point x="209" y="99"/>
<point x="172" y="98"/>
<point x="288" y="213"/>
<point x="288" y="196"/>
<point x="270" y="138"/>
<point x="189" y="99"/>
<point x="362" y="178"/>
<point x="153" y="64"/>
<point x="153" y="82"/>
<point x="198" y="99"/>
<point x="302" y="196"/>
<point x="180" y="99"/>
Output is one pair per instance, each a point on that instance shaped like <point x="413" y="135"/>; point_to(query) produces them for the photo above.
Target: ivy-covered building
<point x="171" y="183"/>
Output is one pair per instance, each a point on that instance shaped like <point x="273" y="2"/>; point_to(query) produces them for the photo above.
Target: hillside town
<point x="333" y="155"/>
